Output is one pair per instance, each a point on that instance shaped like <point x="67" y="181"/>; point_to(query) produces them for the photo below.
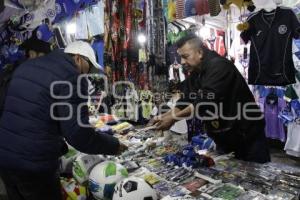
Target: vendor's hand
<point x="122" y="148"/>
<point x="154" y="120"/>
<point x="165" y="123"/>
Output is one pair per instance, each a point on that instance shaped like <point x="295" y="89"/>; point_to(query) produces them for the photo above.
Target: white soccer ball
<point x="82" y="166"/>
<point x="134" y="188"/>
<point x="104" y="177"/>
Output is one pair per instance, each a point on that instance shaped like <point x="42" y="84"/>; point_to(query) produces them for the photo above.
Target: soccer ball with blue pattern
<point x="104" y="177"/>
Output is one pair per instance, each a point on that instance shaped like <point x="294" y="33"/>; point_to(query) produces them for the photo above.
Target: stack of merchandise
<point x="220" y="177"/>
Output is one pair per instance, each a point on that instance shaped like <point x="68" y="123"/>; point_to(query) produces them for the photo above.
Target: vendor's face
<point x="190" y="57"/>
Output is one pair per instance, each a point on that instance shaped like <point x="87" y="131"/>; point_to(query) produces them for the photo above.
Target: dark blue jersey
<point x="271" y="35"/>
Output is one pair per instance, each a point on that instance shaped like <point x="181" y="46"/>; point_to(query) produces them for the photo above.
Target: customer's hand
<point x="165" y="123"/>
<point x="122" y="148"/>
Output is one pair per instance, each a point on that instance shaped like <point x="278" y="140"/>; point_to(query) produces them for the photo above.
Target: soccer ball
<point x="134" y="188"/>
<point x="104" y="177"/>
<point x="82" y="166"/>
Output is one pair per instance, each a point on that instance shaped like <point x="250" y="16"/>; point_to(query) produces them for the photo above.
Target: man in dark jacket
<point x="45" y="105"/>
<point x="217" y="94"/>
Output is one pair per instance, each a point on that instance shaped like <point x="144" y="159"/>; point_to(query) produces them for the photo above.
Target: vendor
<point x="218" y="95"/>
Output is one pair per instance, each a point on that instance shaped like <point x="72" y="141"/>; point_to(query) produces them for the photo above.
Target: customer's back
<point x="30" y="139"/>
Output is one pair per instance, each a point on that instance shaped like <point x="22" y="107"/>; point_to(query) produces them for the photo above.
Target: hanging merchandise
<point x="292" y="146"/>
<point x="146" y="99"/>
<point x="202" y="7"/>
<point x="180" y="9"/>
<point x="98" y="46"/>
<point x="176" y="72"/>
<point x="272" y="106"/>
<point x="240" y="53"/>
<point x="95" y="19"/>
<point x="271" y="36"/>
<point x="59" y="39"/>
<point x="81" y="26"/>
<point x="190" y="8"/>
<point x="44" y="33"/>
<point x="215" y="41"/>
<point x="34" y="18"/>
<point x="214" y="7"/>
<point x="171" y="10"/>
<point x="132" y="104"/>
<point x="65" y="9"/>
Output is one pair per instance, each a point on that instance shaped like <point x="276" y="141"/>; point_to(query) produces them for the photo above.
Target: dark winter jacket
<point x="219" y="82"/>
<point x="30" y="138"/>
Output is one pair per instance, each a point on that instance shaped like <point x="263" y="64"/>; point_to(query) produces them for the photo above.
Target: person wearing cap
<point x="33" y="48"/>
<point x="45" y="107"/>
<point x="216" y="93"/>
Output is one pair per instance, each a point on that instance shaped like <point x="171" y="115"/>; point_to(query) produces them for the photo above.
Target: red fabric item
<point x="201" y="7"/>
<point x="179" y="9"/>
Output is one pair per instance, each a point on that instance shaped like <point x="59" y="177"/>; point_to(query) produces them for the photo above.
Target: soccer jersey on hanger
<point x="271" y="35"/>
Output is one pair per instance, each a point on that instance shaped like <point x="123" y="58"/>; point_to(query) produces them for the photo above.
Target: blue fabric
<point x="263" y="91"/>
<point x="189" y="8"/>
<point x="31" y="140"/>
<point x="44" y="33"/>
<point x="98" y="47"/>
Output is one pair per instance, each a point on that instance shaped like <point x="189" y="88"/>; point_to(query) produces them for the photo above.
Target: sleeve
<point x="295" y="25"/>
<point x="215" y="84"/>
<point x="84" y="139"/>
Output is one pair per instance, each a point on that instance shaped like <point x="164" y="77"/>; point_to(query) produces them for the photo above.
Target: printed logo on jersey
<point x="76" y="1"/>
<point x="50" y="13"/>
<point x="258" y="33"/>
<point x="282" y="29"/>
<point x="29" y="17"/>
<point x="215" y="124"/>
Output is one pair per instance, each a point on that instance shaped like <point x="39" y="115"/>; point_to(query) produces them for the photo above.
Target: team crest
<point x="215" y="124"/>
<point x="282" y="29"/>
<point x="50" y="13"/>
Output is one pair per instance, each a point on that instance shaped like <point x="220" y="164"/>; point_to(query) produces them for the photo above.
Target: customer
<point x="42" y="109"/>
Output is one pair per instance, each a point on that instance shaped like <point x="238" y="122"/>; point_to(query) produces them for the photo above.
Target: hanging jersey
<point x="179" y="9"/>
<point x="271" y="37"/>
<point x="81" y="26"/>
<point x="176" y="73"/>
<point x="171" y="11"/>
<point x="98" y="47"/>
<point x="189" y="8"/>
<point x="292" y="145"/>
<point x="274" y="127"/>
<point x="201" y="7"/>
<point x="95" y="19"/>
<point x="214" y="7"/>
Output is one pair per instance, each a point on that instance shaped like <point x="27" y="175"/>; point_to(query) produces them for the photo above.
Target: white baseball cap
<point x="84" y="49"/>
